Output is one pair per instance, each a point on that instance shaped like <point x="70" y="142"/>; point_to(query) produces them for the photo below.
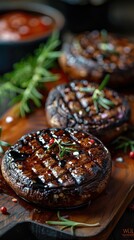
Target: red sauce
<point x="20" y="25"/>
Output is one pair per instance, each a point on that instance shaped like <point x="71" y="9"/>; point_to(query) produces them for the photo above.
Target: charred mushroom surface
<point x="91" y="55"/>
<point x="57" y="168"/>
<point x="72" y="105"/>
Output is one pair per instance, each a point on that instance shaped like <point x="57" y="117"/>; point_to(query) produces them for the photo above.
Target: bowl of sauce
<point x="23" y="26"/>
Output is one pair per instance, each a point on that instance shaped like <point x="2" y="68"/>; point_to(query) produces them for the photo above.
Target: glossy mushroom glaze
<point x="57" y="168"/>
<point x="72" y="105"/>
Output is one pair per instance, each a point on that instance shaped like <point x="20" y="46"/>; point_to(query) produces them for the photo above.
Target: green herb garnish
<point x="108" y="48"/>
<point x="3" y="143"/>
<point x="124" y="143"/>
<point x="64" y="147"/>
<point x="66" y="223"/>
<point x="87" y="89"/>
<point x="105" y="45"/>
<point x="29" y="75"/>
<point x="104" y="36"/>
<point x="98" y="95"/>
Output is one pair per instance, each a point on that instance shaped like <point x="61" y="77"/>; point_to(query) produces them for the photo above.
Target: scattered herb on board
<point x="2" y="143"/>
<point x="98" y="95"/>
<point x="125" y="144"/>
<point x="67" y="223"/>
<point x="29" y="75"/>
<point x="64" y="147"/>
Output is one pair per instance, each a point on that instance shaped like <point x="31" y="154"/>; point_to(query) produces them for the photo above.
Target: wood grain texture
<point x="106" y="209"/>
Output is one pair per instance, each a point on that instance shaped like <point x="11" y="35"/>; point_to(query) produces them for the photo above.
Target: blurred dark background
<point x="113" y="15"/>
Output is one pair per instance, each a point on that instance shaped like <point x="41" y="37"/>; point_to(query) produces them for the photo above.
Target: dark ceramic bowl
<point x="13" y="51"/>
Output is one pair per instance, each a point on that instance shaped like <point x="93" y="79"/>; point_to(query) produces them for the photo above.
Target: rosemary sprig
<point x="3" y="143"/>
<point x="67" y="223"/>
<point x="98" y="95"/>
<point x="64" y="147"/>
<point x="29" y="75"/>
<point x="105" y="45"/>
<point x="104" y="82"/>
<point x="104" y="35"/>
<point x="124" y="143"/>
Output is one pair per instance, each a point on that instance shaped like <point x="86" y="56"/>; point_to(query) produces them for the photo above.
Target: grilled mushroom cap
<point x="68" y="105"/>
<point x="91" y="55"/>
<point x="57" y="168"/>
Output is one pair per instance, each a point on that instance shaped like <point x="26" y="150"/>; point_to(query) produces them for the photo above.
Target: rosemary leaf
<point x="107" y="101"/>
<point x="104" y="82"/>
<point x="105" y="45"/>
<point x="123" y="146"/>
<point x="104" y="36"/>
<point x="98" y="95"/>
<point x="87" y="89"/>
<point x="16" y="99"/>
<point x="124" y="143"/>
<point x="30" y="74"/>
<point x="67" y="223"/>
<point x="37" y="94"/>
<point x="131" y="145"/>
<point x="102" y="103"/>
<point x="51" y="78"/>
<point x="63" y="147"/>
<point x="1" y="149"/>
<point x="3" y="143"/>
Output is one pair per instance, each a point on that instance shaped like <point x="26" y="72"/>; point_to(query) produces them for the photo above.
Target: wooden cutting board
<point x="106" y="209"/>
